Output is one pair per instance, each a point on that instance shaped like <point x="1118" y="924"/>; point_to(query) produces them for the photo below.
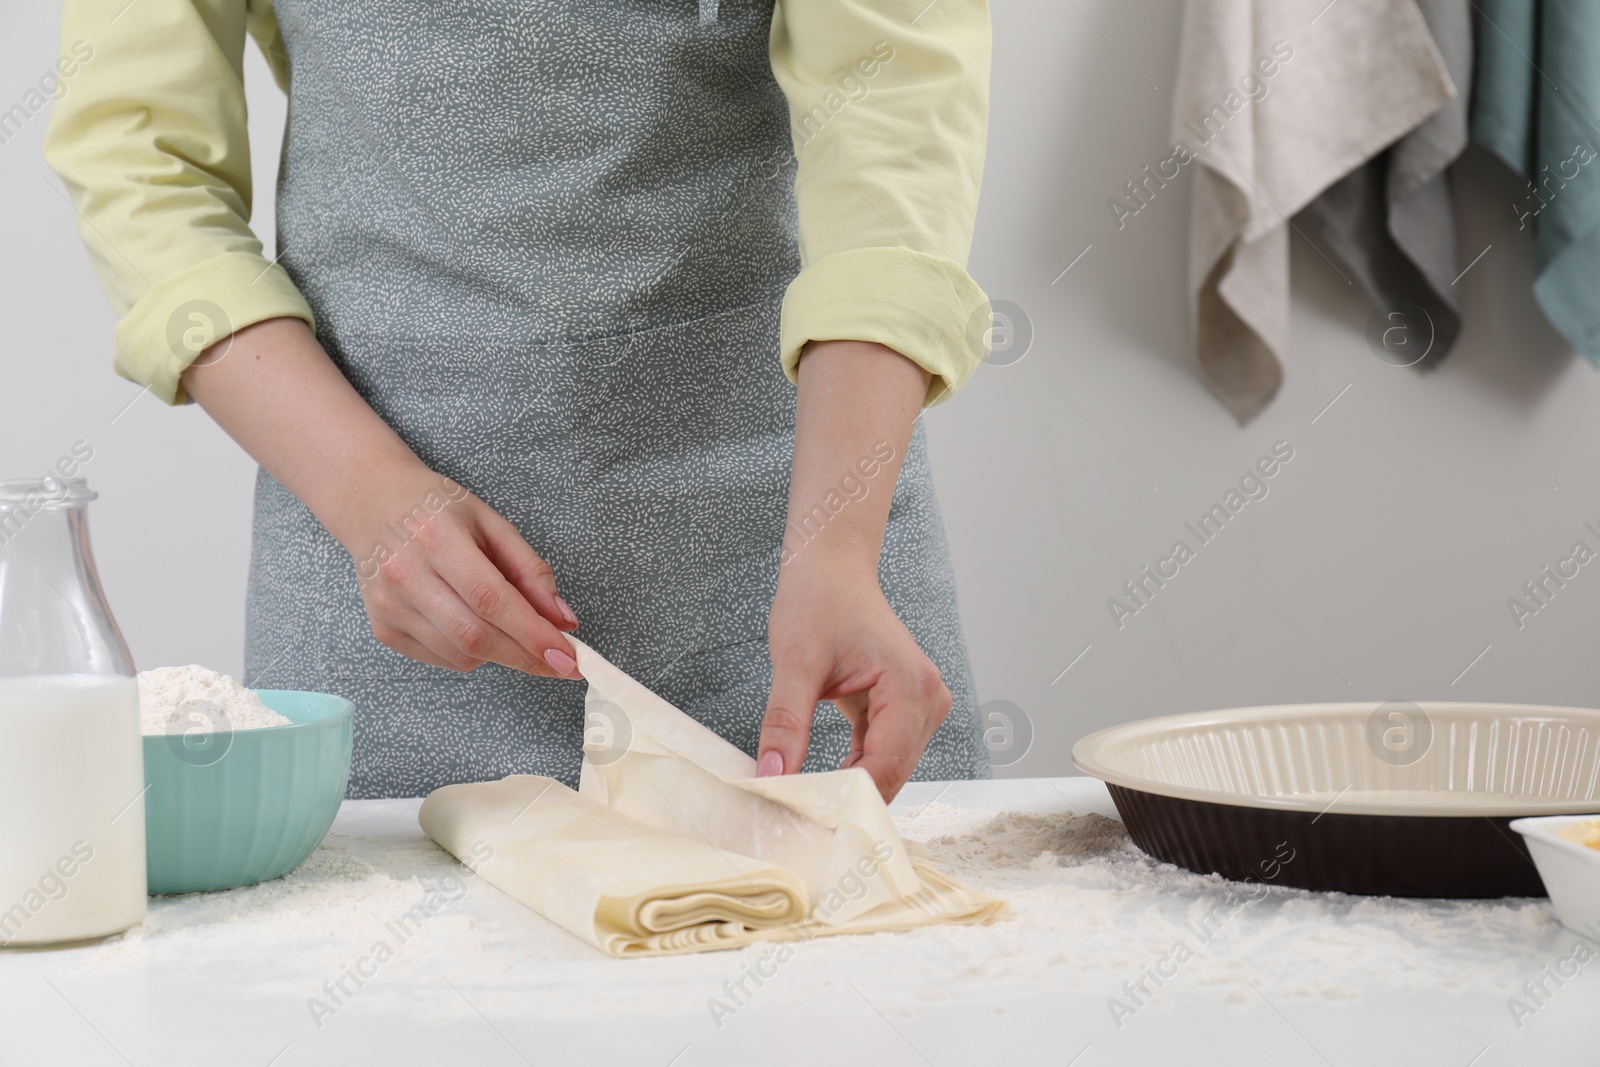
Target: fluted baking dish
<point x="1399" y="798"/>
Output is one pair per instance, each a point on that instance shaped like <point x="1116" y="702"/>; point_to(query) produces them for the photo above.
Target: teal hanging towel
<point x="1536" y="105"/>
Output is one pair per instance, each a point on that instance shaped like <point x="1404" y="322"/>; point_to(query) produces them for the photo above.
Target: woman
<point x="611" y="318"/>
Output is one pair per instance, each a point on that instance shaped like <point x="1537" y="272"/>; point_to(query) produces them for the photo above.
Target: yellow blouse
<point x="151" y="139"/>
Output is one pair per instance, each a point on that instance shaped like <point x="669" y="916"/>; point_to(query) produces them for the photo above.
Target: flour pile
<point x="193" y="699"/>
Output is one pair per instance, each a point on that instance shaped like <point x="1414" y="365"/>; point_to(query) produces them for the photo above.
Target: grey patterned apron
<point x="548" y="243"/>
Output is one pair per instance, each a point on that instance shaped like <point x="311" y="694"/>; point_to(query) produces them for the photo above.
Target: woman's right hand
<point x="448" y="581"/>
<point x="444" y="578"/>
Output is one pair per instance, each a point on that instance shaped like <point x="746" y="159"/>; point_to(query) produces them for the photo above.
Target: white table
<point x="1291" y="979"/>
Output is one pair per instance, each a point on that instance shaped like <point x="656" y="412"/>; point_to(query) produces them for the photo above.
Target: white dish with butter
<point x="1569" y="866"/>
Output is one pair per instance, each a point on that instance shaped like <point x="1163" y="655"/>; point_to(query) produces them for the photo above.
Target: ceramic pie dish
<point x="1394" y="798"/>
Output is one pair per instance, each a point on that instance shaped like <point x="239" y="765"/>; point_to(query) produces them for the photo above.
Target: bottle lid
<point x="36" y="494"/>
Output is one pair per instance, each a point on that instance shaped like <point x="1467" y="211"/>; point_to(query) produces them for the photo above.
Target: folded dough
<point x="673" y="845"/>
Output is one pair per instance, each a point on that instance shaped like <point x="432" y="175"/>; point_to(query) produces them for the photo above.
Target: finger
<point x="400" y="628"/>
<point x="526" y="570"/>
<point x="473" y="636"/>
<point x="440" y="643"/>
<point x="898" y="729"/>
<point x="786" y="729"/>
<point x="484" y="590"/>
<point x="411" y="648"/>
<point x="854" y="708"/>
<point x="411" y="596"/>
<point x="410" y="624"/>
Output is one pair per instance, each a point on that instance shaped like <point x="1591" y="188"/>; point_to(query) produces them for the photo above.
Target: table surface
<point x="324" y="966"/>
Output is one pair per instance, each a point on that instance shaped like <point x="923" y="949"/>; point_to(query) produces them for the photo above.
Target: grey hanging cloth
<point x="1328" y="87"/>
<point x="1391" y="223"/>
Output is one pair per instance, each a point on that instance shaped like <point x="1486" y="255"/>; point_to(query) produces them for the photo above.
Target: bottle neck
<point x="54" y="618"/>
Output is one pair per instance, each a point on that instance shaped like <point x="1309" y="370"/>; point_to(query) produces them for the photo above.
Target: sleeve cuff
<point x="925" y="307"/>
<point x="174" y="322"/>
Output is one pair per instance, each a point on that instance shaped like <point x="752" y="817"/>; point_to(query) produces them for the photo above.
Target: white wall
<point x="1412" y="510"/>
<point x="171" y="529"/>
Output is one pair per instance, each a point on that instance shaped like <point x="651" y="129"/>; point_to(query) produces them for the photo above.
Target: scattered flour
<point x="192" y="699"/>
<point x="1088" y="912"/>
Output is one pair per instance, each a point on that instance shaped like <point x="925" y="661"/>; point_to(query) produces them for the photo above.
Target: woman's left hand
<point x="832" y="634"/>
<point x="834" y="637"/>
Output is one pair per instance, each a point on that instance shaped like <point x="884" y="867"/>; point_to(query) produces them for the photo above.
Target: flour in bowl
<point x="193" y="699"/>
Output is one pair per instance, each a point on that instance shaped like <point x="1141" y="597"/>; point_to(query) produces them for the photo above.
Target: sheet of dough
<point x="672" y="844"/>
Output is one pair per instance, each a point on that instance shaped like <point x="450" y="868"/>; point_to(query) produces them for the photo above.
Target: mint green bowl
<point x="235" y="808"/>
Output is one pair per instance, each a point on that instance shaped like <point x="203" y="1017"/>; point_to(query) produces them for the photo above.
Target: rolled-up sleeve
<point x="889" y="108"/>
<point x="152" y="142"/>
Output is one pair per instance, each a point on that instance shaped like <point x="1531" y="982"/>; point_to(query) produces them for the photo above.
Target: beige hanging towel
<point x="1275" y="101"/>
<point x="671" y="843"/>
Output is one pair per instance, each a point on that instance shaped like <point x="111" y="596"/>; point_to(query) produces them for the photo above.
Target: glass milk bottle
<point x="71" y="753"/>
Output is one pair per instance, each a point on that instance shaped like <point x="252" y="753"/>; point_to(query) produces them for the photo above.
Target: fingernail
<point x="558" y="659"/>
<point x="770" y="765"/>
<point x="851" y="760"/>
<point x="566" y="610"/>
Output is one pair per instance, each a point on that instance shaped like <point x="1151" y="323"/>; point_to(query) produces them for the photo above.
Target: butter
<point x="1586" y="832"/>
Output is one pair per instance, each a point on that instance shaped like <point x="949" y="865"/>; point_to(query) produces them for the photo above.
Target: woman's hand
<point x="444" y="578"/>
<point x="832" y="634"/>
<point x="448" y="581"/>
<point x="834" y="637"/>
